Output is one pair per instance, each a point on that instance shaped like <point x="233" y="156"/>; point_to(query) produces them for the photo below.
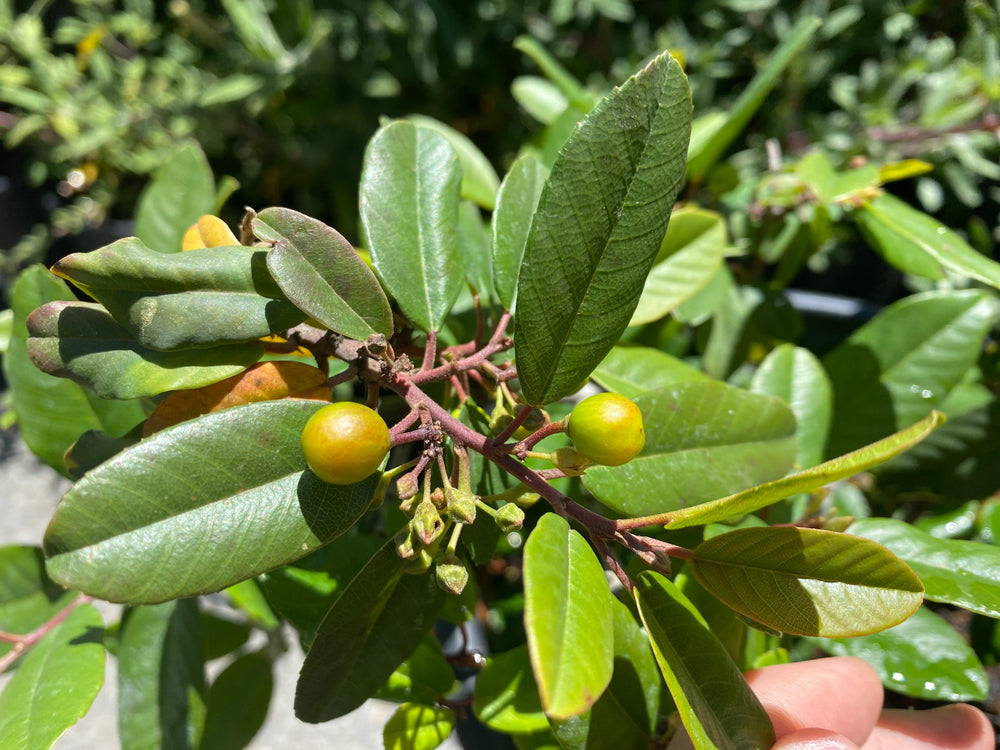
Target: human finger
<point x="956" y="727"/>
<point x="840" y="694"/>
<point x="814" y="739"/>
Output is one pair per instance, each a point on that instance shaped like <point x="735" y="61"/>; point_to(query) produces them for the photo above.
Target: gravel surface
<point x="32" y="491"/>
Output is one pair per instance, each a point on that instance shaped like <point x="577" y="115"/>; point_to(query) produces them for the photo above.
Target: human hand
<point x="836" y="704"/>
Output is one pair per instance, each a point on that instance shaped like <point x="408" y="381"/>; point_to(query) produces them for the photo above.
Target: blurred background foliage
<point x="283" y="94"/>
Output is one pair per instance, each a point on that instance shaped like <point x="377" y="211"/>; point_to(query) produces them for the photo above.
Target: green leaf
<point x="417" y="727"/>
<point x="28" y="597"/>
<point x="564" y="81"/>
<point x="375" y="624"/>
<point x="221" y="635"/>
<point x="539" y="97"/>
<point x="568" y="618"/>
<point x="818" y="174"/>
<point x="506" y="694"/>
<point x="627" y="715"/>
<point x="690" y="255"/>
<point x="953" y="571"/>
<point x="303" y="592"/>
<point x="171" y="301"/>
<point x="810" y="480"/>
<point x="546" y="144"/>
<point x="903" y="363"/>
<point x="808" y="581"/>
<point x="717" y="136"/>
<point x="55" y="684"/>
<point x="516" y="204"/>
<point x="708" y="300"/>
<point x="182" y="190"/>
<point x="52" y="413"/>
<point x="794" y="375"/>
<point x="198" y="507"/>
<point x="703" y="440"/>
<point x="248" y="598"/>
<point x="747" y="321"/>
<point x="716" y="705"/>
<point x="475" y="243"/>
<point x="409" y="213"/>
<point x="161" y="681"/>
<point x="919" y="244"/>
<point x="600" y="221"/>
<point x="631" y="370"/>
<point x="82" y="342"/>
<point x="233" y="88"/>
<point x="924" y="657"/>
<point x="93" y="448"/>
<point x="323" y="274"/>
<point x="424" y="677"/>
<point x="6" y="329"/>
<point x="237" y="703"/>
<point x="479" y="180"/>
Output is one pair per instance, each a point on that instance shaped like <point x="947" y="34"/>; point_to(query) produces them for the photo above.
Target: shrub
<point x="789" y="497"/>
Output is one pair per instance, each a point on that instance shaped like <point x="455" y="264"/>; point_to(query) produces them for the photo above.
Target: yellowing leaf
<point x="265" y="381"/>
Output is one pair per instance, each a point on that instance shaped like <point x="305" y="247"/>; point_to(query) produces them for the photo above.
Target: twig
<point x="22" y="643"/>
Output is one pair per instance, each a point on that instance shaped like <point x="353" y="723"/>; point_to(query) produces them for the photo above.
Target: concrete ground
<point x="31" y="492"/>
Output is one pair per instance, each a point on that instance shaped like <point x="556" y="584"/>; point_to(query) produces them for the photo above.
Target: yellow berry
<point x="607" y="429"/>
<point x="345" y="442"/>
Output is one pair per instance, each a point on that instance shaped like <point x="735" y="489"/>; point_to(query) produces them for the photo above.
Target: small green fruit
<point x="606" y="429"/>
<point x="345" y="442"/>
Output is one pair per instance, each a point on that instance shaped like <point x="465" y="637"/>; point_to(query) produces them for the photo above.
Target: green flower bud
<point x="404" y="544"/>
<point x="452" y="575"/>
<point x="509" y="518"/>
<point x="570" y="461"/>
<point x="419" y="563"/>
<point x="407" y="486"/>
<point x="426" y="522"/>
<point x="461" y="505"/>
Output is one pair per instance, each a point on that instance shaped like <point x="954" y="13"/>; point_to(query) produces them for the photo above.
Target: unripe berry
<point x="606" y="429"/>
<point x="345" y="442"/>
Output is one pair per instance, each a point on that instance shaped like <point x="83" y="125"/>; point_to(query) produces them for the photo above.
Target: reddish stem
<point x="522" y="414"/>
<point x="430" y="352"/>
<point x="459" y="365"/>
<point x="552" y="428"/>
<point x="404" y="424"/>
<point x="22" y="643"/>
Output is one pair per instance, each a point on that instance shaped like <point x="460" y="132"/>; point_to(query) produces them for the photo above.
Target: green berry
<point x="607" y="429"/>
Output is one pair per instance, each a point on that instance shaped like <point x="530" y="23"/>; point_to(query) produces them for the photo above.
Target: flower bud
<point x="570" y="461"/>
<point x="407" y="486"/>
<point x="419" y="563"/>
<point x="509" y="518"/>
<point x="404" y="544"/>
<point x="452" y="575"/>
<point x="461" y="505"/>
<point x="426" y="522"/>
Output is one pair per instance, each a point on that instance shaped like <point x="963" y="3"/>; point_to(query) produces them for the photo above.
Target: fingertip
<point x="840" y="694"/>
<point x="957" y="727"/>
<point x="814" y="739"/>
